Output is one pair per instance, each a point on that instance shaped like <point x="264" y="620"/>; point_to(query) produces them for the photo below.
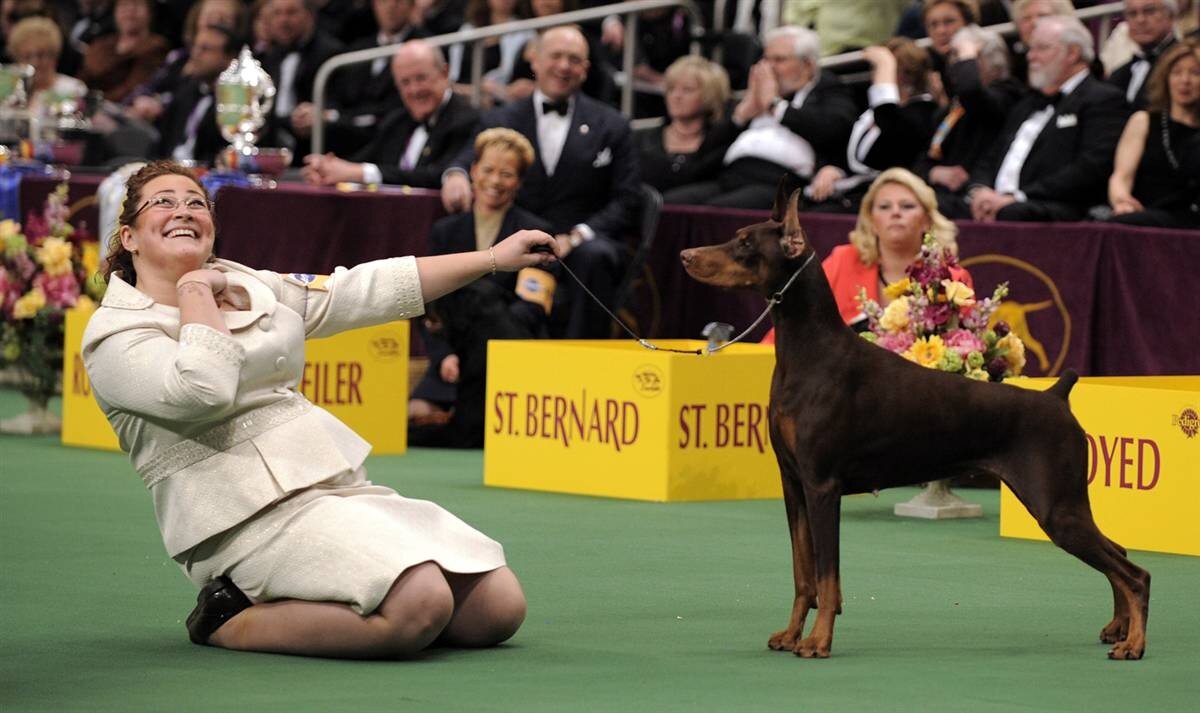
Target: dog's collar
<point x="774" y="300"/>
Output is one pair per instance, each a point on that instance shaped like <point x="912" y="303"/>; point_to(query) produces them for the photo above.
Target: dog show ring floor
<point x="633" y="606"/>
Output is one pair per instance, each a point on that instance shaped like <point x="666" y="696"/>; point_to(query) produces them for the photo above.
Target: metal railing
<point x="627" y="10"/>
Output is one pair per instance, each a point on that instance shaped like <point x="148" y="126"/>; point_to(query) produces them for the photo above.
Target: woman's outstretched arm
<point x="441" y="274"/>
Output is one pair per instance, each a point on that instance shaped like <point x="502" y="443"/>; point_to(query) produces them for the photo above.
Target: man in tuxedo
<point x="361" y="95"/>
<point x="188" y="125"/>
<point x="793" y="118"/>
<point x="299" y="50"/>
<point x="584" y="182"/>
<point x="416" y="142"/>
<point x="1055" y="153"/>
<point x="1152" y="26"/>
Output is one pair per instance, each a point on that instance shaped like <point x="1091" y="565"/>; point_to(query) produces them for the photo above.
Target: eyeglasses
<point x="169" y="203"/>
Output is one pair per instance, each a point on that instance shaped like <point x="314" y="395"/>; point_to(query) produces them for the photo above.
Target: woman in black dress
<point x="1156" y="173"/>
<point x="690" y="146"/>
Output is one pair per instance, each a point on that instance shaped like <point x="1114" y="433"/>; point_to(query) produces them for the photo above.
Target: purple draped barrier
<point x="1101" y="299"/>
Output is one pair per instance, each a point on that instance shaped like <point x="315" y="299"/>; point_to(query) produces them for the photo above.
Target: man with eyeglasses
<point x="1151" y="25"/>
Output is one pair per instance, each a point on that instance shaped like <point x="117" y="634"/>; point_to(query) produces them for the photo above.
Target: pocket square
<point x="1065" y="121"/>
<point x="603" y="158"/>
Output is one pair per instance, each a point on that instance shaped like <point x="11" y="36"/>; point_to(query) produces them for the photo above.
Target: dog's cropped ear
<point x="793" y="240"/>
<point x="781" y="199"/>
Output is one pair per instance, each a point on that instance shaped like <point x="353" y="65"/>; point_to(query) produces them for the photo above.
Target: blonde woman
<point x="896" y="214"/>
<point x="38" y="42"/>
<point x="689" y="147"/>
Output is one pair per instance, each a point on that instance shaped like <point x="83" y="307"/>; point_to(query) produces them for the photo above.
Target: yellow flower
<point x="90" y="257"/>
<point x="55" y="256"/>
<point x="900" y="287"/>
<point x="895" y="316"/>
<point x="28" y="304"/>
<point x="83" y="302"/>
<point x="8" y="228"/>
<point x="927" y="351"/>
<point x="958" y="294"/>
<point x="1015" y="356"/>
<point x="977" y="374"/>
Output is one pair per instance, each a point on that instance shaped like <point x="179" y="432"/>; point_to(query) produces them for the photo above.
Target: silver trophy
<point x="245" y="94"/>
<point x="16" y="83"/>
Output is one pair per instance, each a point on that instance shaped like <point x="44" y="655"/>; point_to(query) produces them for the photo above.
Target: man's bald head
<point x="560" y="61"/>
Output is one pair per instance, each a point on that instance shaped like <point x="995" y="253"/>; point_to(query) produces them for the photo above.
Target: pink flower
<point x="61" y="290"/>
<point x="937" y="315"/>
<point x="898" y="342"/>
<point x="964" y="342"/>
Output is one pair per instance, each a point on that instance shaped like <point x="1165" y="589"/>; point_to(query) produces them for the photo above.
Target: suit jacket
<point x="172" y="125"/>
<point x="824" y="119"/>
<point x="1123" y="75"/>
<point x="1072" y="158"/>
<point x="903" y="132"/>
<point x="214" y="423"/>
<point x="450" y="131"/>
<point x="313" y="53"/>
<point x="596" y="181"/>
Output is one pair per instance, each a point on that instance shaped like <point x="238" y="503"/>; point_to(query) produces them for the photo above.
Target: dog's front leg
<point x="824" y="514"/>
<point x="802" y="566"/>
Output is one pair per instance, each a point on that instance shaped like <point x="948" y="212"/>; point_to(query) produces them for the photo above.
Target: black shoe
<point x="218" y="602"/>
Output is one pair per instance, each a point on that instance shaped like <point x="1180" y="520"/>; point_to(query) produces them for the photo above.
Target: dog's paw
<point x="783" y="640"/>
<point x="1127" y="651"/>
<point x="1115" y="631"/>
<point x="810" y="648"/>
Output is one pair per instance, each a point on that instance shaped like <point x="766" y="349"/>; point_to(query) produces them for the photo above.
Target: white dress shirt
<point x="1008" y="178"/>
<point x="768" y="139"/>
<point x="551" y="130"/>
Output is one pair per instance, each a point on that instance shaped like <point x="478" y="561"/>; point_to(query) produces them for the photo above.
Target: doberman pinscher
<point x="847" y="416"/>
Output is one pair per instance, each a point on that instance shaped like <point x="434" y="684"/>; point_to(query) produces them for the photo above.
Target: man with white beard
<point x="1054" y="155"/>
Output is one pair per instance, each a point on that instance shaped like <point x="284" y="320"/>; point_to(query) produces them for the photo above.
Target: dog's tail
<point x="1062" y="387"/>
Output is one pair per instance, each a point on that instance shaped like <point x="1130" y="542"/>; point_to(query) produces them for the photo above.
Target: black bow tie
<point x="1044" y="100"/>
<point x="560" y="107"/>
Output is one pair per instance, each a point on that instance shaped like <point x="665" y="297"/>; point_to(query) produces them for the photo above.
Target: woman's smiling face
<point x="173" y="231"/>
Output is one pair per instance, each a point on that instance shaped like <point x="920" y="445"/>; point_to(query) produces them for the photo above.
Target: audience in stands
<point x="298" y="49"/>
<point x="1056" y="149"/>
<point x="37" y="41"/>
<point x="896" y="214"/>
<point x="500" y="54"/>
<point x="690" y="145"/>
<point x="117" y="63"/>
<point x="418" y="141"/>
<point x="446" y="409"/>
<point x="188" y="128"/>
<point x="1151" y="25"/>
<point x="360" y="95"/>
<point x="95" y="20"/>
<point x="981" y="92"/>
<point x="147" y="101"/>
<point x="891" y="132"/>
<point x="1156" y="176"/>
<point x="585" y="181"/>
<point x="439" y="17"/>
<point x="793" y="118"/>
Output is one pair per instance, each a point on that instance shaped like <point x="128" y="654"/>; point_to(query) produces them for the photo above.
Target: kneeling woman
<point x="261" y="496"/>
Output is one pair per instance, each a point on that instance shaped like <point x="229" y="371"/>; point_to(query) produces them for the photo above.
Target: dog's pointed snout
<point x="686" y="256"/>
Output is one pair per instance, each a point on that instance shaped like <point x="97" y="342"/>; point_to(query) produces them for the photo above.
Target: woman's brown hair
<point x="1158" y="86"/>
<point x="912" y="64"/>
<point x="120" y="259"/>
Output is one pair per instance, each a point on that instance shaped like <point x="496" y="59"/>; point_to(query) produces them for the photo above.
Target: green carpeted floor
<point x="632" y="607"/>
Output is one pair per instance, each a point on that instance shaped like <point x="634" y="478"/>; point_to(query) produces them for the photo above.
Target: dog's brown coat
<point x="849" y="417"/>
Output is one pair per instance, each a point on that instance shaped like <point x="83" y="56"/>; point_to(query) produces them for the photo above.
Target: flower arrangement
<point x="44" y="270"/>
<point x="936" y="321"/>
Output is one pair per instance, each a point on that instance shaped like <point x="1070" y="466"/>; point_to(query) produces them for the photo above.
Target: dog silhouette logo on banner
<point x="1034" y="309"/>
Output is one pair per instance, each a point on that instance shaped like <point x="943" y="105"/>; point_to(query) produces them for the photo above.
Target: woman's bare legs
<point x="414" y="613"/>
<point x="488" y="608"/>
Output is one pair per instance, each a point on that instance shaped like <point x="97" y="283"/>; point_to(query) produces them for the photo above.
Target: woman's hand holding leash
<point x="524" y="248"/>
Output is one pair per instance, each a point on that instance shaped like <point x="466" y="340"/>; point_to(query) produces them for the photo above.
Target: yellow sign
<point x="359" y="376"/>
<point x="614" y="419"/>
<point x="1143" y="471"/>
